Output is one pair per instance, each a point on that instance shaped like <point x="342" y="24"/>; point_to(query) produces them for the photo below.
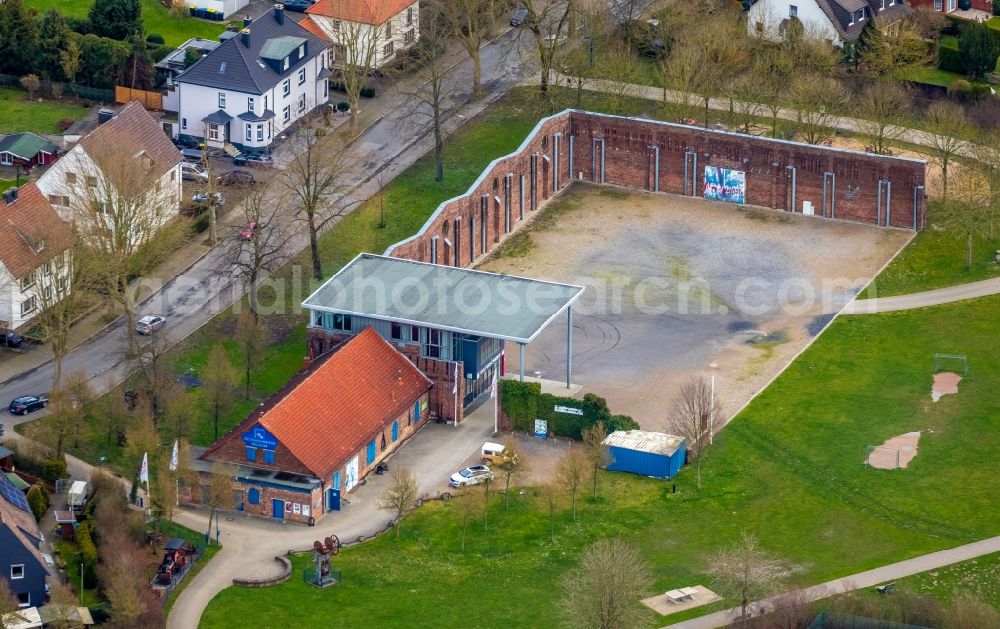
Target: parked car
<point x="10" y="339"/>
<point x="471" y="476"/>
<point x="493" y="452"/>
<point x="27" y="403"/>
<point x="202" y="197"/>
<point x="249" y="231"/>
<point x="193" y="155"/>
<point x="254" y="160"/>
<point x="237" y="178"/>
<point x="186" y="142"/>
<point x="149" y="324"/>
<point x="519" y="18"/>
<point x="193" y="172"/>
<point x="297" y="5"/>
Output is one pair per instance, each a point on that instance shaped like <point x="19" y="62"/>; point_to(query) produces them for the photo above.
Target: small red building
<point x="947" y="6"/>
<point x="324" y="431"/>
<point x="27" y="150"/>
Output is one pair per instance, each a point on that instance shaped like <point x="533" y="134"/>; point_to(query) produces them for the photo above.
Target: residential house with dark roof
<point x="21" y="562"/>
<point x="127" y="165"/>
<point x="380" y="29"/>
<point x="324" y="431"/>
<point x="27" y="150"/>
<point x="838" y="21"/>
<point x="34" y="255"/>
<point x="252" y="87"/>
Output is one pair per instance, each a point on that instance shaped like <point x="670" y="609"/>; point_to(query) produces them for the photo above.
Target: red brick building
<point x="832" y="183"/>
<point x="947" y="6"/>
<point x="324" y="431"/>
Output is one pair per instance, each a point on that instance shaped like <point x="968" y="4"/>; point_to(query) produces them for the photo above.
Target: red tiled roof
<point x="374" y="12"/>
<point x="133" y="129"/>
<point x="31" y="231"/>
<point x="340" y="404"/>
<point x="312" y="27"/>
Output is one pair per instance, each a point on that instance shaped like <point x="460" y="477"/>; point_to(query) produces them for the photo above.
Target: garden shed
<point x="653" y="454"/>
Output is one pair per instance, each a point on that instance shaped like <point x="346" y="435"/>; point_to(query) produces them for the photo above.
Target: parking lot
<point x="677" y="286"/>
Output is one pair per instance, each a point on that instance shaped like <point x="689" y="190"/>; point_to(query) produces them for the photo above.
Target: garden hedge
<point x="524" y="402"/>
<point x="950" y="59"/>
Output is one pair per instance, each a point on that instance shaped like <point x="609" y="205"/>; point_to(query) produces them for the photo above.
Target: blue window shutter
<point x="253" y="496"/>
<point x="251" y="454"/>
<point x="269" y="457"/>
<point x="336" y="480"/>
<point x="371" y="452"/>
<point x="416" y="412"/>
<point x="395" y="430"/>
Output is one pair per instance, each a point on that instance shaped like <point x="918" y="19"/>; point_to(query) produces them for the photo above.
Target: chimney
<point x="10" y="195"/>
<point x="246" y="21"/>
<point x="279" y="13"/>
<point x="245" y="36"/>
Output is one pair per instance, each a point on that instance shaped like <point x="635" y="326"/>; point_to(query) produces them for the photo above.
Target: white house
<point x="254" y="86"/>
<point x="34" y="255"/>
<point x="225" y="7"/>
<point x="838" y="21"/>
<point x="126" y="160"/>
<point x="362" y="27"/>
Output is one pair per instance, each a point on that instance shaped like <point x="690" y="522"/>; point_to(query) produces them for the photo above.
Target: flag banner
<point x="173" y="458"/>
<point x="144" y="469"/>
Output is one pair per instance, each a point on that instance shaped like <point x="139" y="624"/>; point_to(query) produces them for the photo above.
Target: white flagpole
<point x="454" y="395"/>
<point x="711" y="415"/>
<point x="495" y="395"/>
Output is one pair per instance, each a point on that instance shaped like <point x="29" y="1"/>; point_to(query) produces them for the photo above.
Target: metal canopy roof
<point x="644" y="441"/>
<point x="450" y="298"/>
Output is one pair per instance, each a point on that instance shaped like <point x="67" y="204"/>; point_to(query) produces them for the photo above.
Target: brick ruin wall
<point x="664" y="158"/>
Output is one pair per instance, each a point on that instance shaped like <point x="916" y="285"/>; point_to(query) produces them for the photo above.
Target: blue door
<point x="416" y="412"/>
<point x="278" y="509"/>
<point x="395" y="430"/>
<point x="333" y="499"/>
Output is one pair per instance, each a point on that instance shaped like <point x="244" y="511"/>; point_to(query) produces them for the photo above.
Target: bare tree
<point x="219" y="383"/>
<point x="603" y="592"/>
<point x="260" y="245"/>
<point x="486" y="484"/>
<point x="164" y="498"/>
<point x="65" y="422"/>
<point x="253" y="337"/>
<point x="969" y="214"/>
<point x="881" y="107"/>
<point x="987" y="154"/>
<point x="468" y="503"/>
<point x="318" y="181"/>
<point x="510" y="465"/>
<point x="62" y="607"/>
<point x="551" y="493"/>
<point x="356" y="47"/>
<point x="430" y="100"/>
<point x="219" y="492"/>
<point x="121" y="213"/>
<point x="620" y="67"/>
<point x="10" y="614"/>
<point x="688" y="75"/>
<point x="947" y="126"/>
<point x="745" y="571"/>
<point x="573" y="467"/>
<point x="178" y="412"/>
<point x="548" y="22"/>
<point x="399" y="495"/>
<point x="597" y="452"/>
<point x="893" y="51"/>
<point x="691" y="416"/>
<point x="471" y="22"/>
<point x="154" y="372"/>
<point x="816" y="97"/>
<point x="122" y="575"/>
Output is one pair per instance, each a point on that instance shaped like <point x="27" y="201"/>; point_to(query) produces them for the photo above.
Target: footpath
<point x="935" y="297"/>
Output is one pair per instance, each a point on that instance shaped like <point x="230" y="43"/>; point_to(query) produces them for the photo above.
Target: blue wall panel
<point x="646" y="463"/>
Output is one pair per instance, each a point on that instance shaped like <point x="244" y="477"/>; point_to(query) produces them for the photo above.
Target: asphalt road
<point x="189" y="300"/>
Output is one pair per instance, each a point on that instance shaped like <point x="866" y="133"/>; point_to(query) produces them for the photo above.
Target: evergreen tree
<point x="979" y="47"/>
<point x="53" y="39"/>
<point x="117" y="19"/>
<point x="18" y="38"/>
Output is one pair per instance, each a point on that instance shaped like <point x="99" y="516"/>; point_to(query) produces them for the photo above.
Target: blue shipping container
<point x="646" y="463"/>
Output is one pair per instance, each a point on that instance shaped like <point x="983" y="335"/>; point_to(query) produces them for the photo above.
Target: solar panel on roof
<point x="13" y="495"/>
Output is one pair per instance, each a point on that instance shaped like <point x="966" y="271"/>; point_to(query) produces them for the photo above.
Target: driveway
<point x="249" y="544"/>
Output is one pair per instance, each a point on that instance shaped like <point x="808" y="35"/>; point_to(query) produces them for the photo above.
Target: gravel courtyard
<point x="679" y="286"/>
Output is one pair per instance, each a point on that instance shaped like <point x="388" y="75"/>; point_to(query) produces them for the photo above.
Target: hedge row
<point x="524" y="402"/>
<point x="88" y="554"/>
<point x="366" y="92"/>
<point x="950" y="59"/>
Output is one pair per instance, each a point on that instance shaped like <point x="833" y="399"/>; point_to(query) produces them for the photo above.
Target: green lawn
<point x="157" y="18"/>
<point x="790" y="468"/>
<point x="6" y="183"/>
<point x="994" y="23"/>
<point x="932" y="76"/>
<point x="18" y="114"/>
<point x="69" y="552"/>
<point x="935" y="259"/>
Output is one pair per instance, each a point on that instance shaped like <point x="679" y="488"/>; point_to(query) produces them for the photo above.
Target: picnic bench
<point x="888" y="588"/>
<point x="681" y="595"/>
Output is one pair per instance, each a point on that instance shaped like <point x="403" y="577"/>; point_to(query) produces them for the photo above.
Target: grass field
<point x="789" y="468"/>
<point x="176" y="29"/>
<point x="6" y="183"/>
<point x="18" y="114"/>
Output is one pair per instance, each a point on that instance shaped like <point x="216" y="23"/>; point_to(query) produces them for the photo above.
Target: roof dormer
<point x="281" y="53"/>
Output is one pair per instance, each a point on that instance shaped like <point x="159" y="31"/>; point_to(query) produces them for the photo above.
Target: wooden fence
<point x="149" y="100"/>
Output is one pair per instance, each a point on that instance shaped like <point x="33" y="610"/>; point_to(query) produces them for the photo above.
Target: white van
<point x="492" y="452"/>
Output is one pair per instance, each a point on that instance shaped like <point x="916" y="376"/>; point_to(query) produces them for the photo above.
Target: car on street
<point x="27" y="403"/>
<point x="202" y="197"/>
<point x="253" y="160"/>
<point x="193" y="155"/>
<point x="149" y="324"/>
<point x="519" y="18"/>
<point x="10" y="339"/>
<point x="193" y="172"/>
<point x="297" y="5"/>
<point x="237" y="178"/>
<point x="471" y="476"/>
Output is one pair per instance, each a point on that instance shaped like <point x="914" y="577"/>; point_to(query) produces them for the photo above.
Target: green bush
<point x="960" y="89"/>
<point x="950" y="59"/>
<point x="523" y="403"/>
<point x="366" y="92"/>
<point x="53" y="469"/>
<point x="159" y="54"/>
<point x="343" y="106"/>
<point x="38" y="500"/>
<point x="155" y="39"/>
<point x="996" y="7"/>
<point x="88" y="554"/>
